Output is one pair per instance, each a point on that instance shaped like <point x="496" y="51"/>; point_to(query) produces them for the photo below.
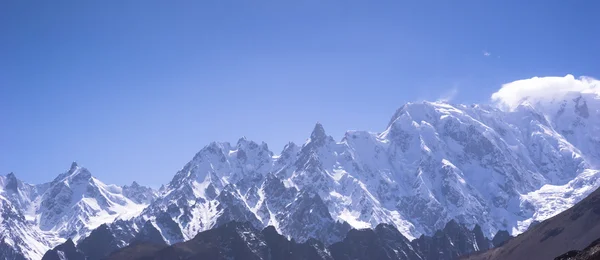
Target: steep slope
<point x="573" y="229"/>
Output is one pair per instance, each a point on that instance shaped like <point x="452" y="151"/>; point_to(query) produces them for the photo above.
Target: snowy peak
<point x="38" y="217"/>
<point x="221" y="164"/>
<point x="20" y="194"/>
<point x="75" y="174"/>
<point x="10" y="184"/>
<point x="76" y="202"/>
<point x="245" y="144"/>
<point x="422" y="112"/>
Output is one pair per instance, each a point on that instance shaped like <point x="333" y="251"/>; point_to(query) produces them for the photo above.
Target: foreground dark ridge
<point x="592" y="252"/>
<point x="573" y="229"/>
<point x="237" y="240"/>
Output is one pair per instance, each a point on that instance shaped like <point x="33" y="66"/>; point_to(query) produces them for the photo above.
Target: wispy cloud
<point x="448" y="95"/>
<point x="487" y="53"/>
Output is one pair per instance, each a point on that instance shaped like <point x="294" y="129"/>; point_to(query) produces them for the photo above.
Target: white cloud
<point x="512" y="94"/>
<point x="487" y="53"/>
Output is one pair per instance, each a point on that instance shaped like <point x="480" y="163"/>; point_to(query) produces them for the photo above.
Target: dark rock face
<point x="396" y="244"/>
<point x="233" y="240"/>
<point x="12" y="183"/>
<point x="231" y="204"/>
<point x="451" y="242"/>
<point x="500" y="238"/>
<point x="138" y="251"/>
<point x="99" y="244"/>
<point x="308" y="217"/>
<point x="592" y="252"/>
<point x="8" y="252"/>
<point x="168" y="226"/>
<point x="281" y="248"/>
<point x="385" y="242"/>
<point x="359" y="244"/>
<point x="66" y="250"/>
<point x="149" y="235"/>
<point x="236" y="240"/>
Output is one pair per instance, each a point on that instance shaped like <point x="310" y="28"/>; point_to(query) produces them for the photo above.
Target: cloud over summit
<point x="543" y="89"/>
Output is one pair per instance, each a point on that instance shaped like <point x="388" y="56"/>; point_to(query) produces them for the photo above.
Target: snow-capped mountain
<point x="37" y="217"/>
<point x="432" y="163"/>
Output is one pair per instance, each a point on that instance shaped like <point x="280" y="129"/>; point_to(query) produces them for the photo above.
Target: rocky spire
<point x="12" y="183"/>
<point x="318" y="135"/>
<point x="74" y="166"/>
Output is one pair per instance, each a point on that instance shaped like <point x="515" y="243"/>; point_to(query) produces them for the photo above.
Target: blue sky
<point x="133" y="90"/>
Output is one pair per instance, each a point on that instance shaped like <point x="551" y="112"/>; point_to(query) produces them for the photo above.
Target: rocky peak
<point x="139" y="194"/>
<point x="75" y="173"/>
<point x="288" y="154"/>
<point x="318" y="135"/>
<point x="81" y="175"/>
<point x="73" y="167"/>
<point x="289" y="147"/>
<point x="99" y="244"/>
<point x="12" y="183"/>
<point x="389" y="232"/>
<point x="212" y="148"/>
<point x="149" y="234"/>
<point x="243" y="140"/>
<point x="66" y="250"/>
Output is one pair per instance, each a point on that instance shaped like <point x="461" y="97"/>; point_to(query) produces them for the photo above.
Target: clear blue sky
<point x="133" y="90"/>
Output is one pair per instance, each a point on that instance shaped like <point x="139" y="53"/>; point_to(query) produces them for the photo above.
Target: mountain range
<point x="434" y="162"/>
<point x="237" y="240"/>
